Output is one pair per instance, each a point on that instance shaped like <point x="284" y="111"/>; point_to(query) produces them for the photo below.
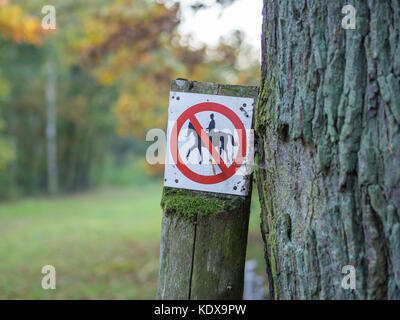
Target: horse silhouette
<point x="218" y="138"/>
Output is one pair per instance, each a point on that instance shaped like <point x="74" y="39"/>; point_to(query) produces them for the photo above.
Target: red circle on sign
<point x="228" y="171"/>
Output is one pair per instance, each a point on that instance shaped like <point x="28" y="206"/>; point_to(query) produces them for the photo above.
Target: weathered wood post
<point x="204" y="234"/>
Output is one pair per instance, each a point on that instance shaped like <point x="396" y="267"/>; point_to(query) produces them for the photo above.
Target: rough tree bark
<point x="329" y="148"/>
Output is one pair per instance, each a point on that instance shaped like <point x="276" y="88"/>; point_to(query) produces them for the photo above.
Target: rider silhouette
<point x="211" y="125"/>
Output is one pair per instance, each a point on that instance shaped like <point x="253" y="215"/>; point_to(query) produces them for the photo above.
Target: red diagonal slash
<point x="207" y="142"/>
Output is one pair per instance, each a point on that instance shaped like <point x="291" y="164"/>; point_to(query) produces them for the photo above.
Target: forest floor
<point x="104" y="244"/>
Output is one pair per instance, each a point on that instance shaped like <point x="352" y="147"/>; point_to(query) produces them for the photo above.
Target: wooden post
<point x="204" y="235"/>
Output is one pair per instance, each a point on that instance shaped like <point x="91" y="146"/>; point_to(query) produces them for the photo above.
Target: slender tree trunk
<point x="329" y="148"/>
<point x="51" y="127"/>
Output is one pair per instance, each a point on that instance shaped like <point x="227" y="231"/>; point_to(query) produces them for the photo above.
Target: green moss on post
<point x="190" y="204"/>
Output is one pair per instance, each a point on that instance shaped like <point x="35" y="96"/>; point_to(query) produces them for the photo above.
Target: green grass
<point x="104" y="244"/>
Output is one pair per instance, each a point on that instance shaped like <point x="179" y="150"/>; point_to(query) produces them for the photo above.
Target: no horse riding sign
<point x="209" y="143"/>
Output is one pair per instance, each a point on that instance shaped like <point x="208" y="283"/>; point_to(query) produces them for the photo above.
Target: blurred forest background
<point x="75" y="106"/>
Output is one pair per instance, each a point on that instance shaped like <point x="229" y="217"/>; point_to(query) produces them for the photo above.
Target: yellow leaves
<point x="16" y="25"/>
<point x="95" y="31"/>
<point x="141" y="106"/>
<point x="128" y="24"/>
<point x="119" y="65"/>
<point x="127" y="109"/>
<point x="104" y="76"/>
<point x="136" y="47"/>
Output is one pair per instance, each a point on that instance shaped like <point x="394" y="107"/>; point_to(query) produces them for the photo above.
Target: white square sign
<point x="209" y="143"/>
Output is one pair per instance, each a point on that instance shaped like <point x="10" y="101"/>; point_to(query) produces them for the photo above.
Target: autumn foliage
<point x="19" y="26"/>
<point x="115" y="60"/>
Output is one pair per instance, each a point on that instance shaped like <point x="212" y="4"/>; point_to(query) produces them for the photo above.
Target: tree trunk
<point x="329" y="149"/>
<point x="51" y="127"/>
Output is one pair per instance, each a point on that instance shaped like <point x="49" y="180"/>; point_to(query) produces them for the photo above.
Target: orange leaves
<point x="141" y="106"/>
<point x="133" y="52"/>
<point x="16" y="25"/>
<point x="136" y="47"/>
<point x="104" y="76"/>
<point x="125" y="25"/>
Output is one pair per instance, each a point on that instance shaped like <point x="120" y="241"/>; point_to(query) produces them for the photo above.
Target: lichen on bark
<point x="328" y="123"/>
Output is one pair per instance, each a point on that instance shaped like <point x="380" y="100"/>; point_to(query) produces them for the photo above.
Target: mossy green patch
<point x="265" y="111"/>
<point x="189" y="203"/>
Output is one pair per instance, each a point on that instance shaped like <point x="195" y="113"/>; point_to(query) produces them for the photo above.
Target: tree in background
<point x="112" y="62"/>
<point x="328" y="122"/>
<point x="136" y="48"/>
<point x="16" y="27"/>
